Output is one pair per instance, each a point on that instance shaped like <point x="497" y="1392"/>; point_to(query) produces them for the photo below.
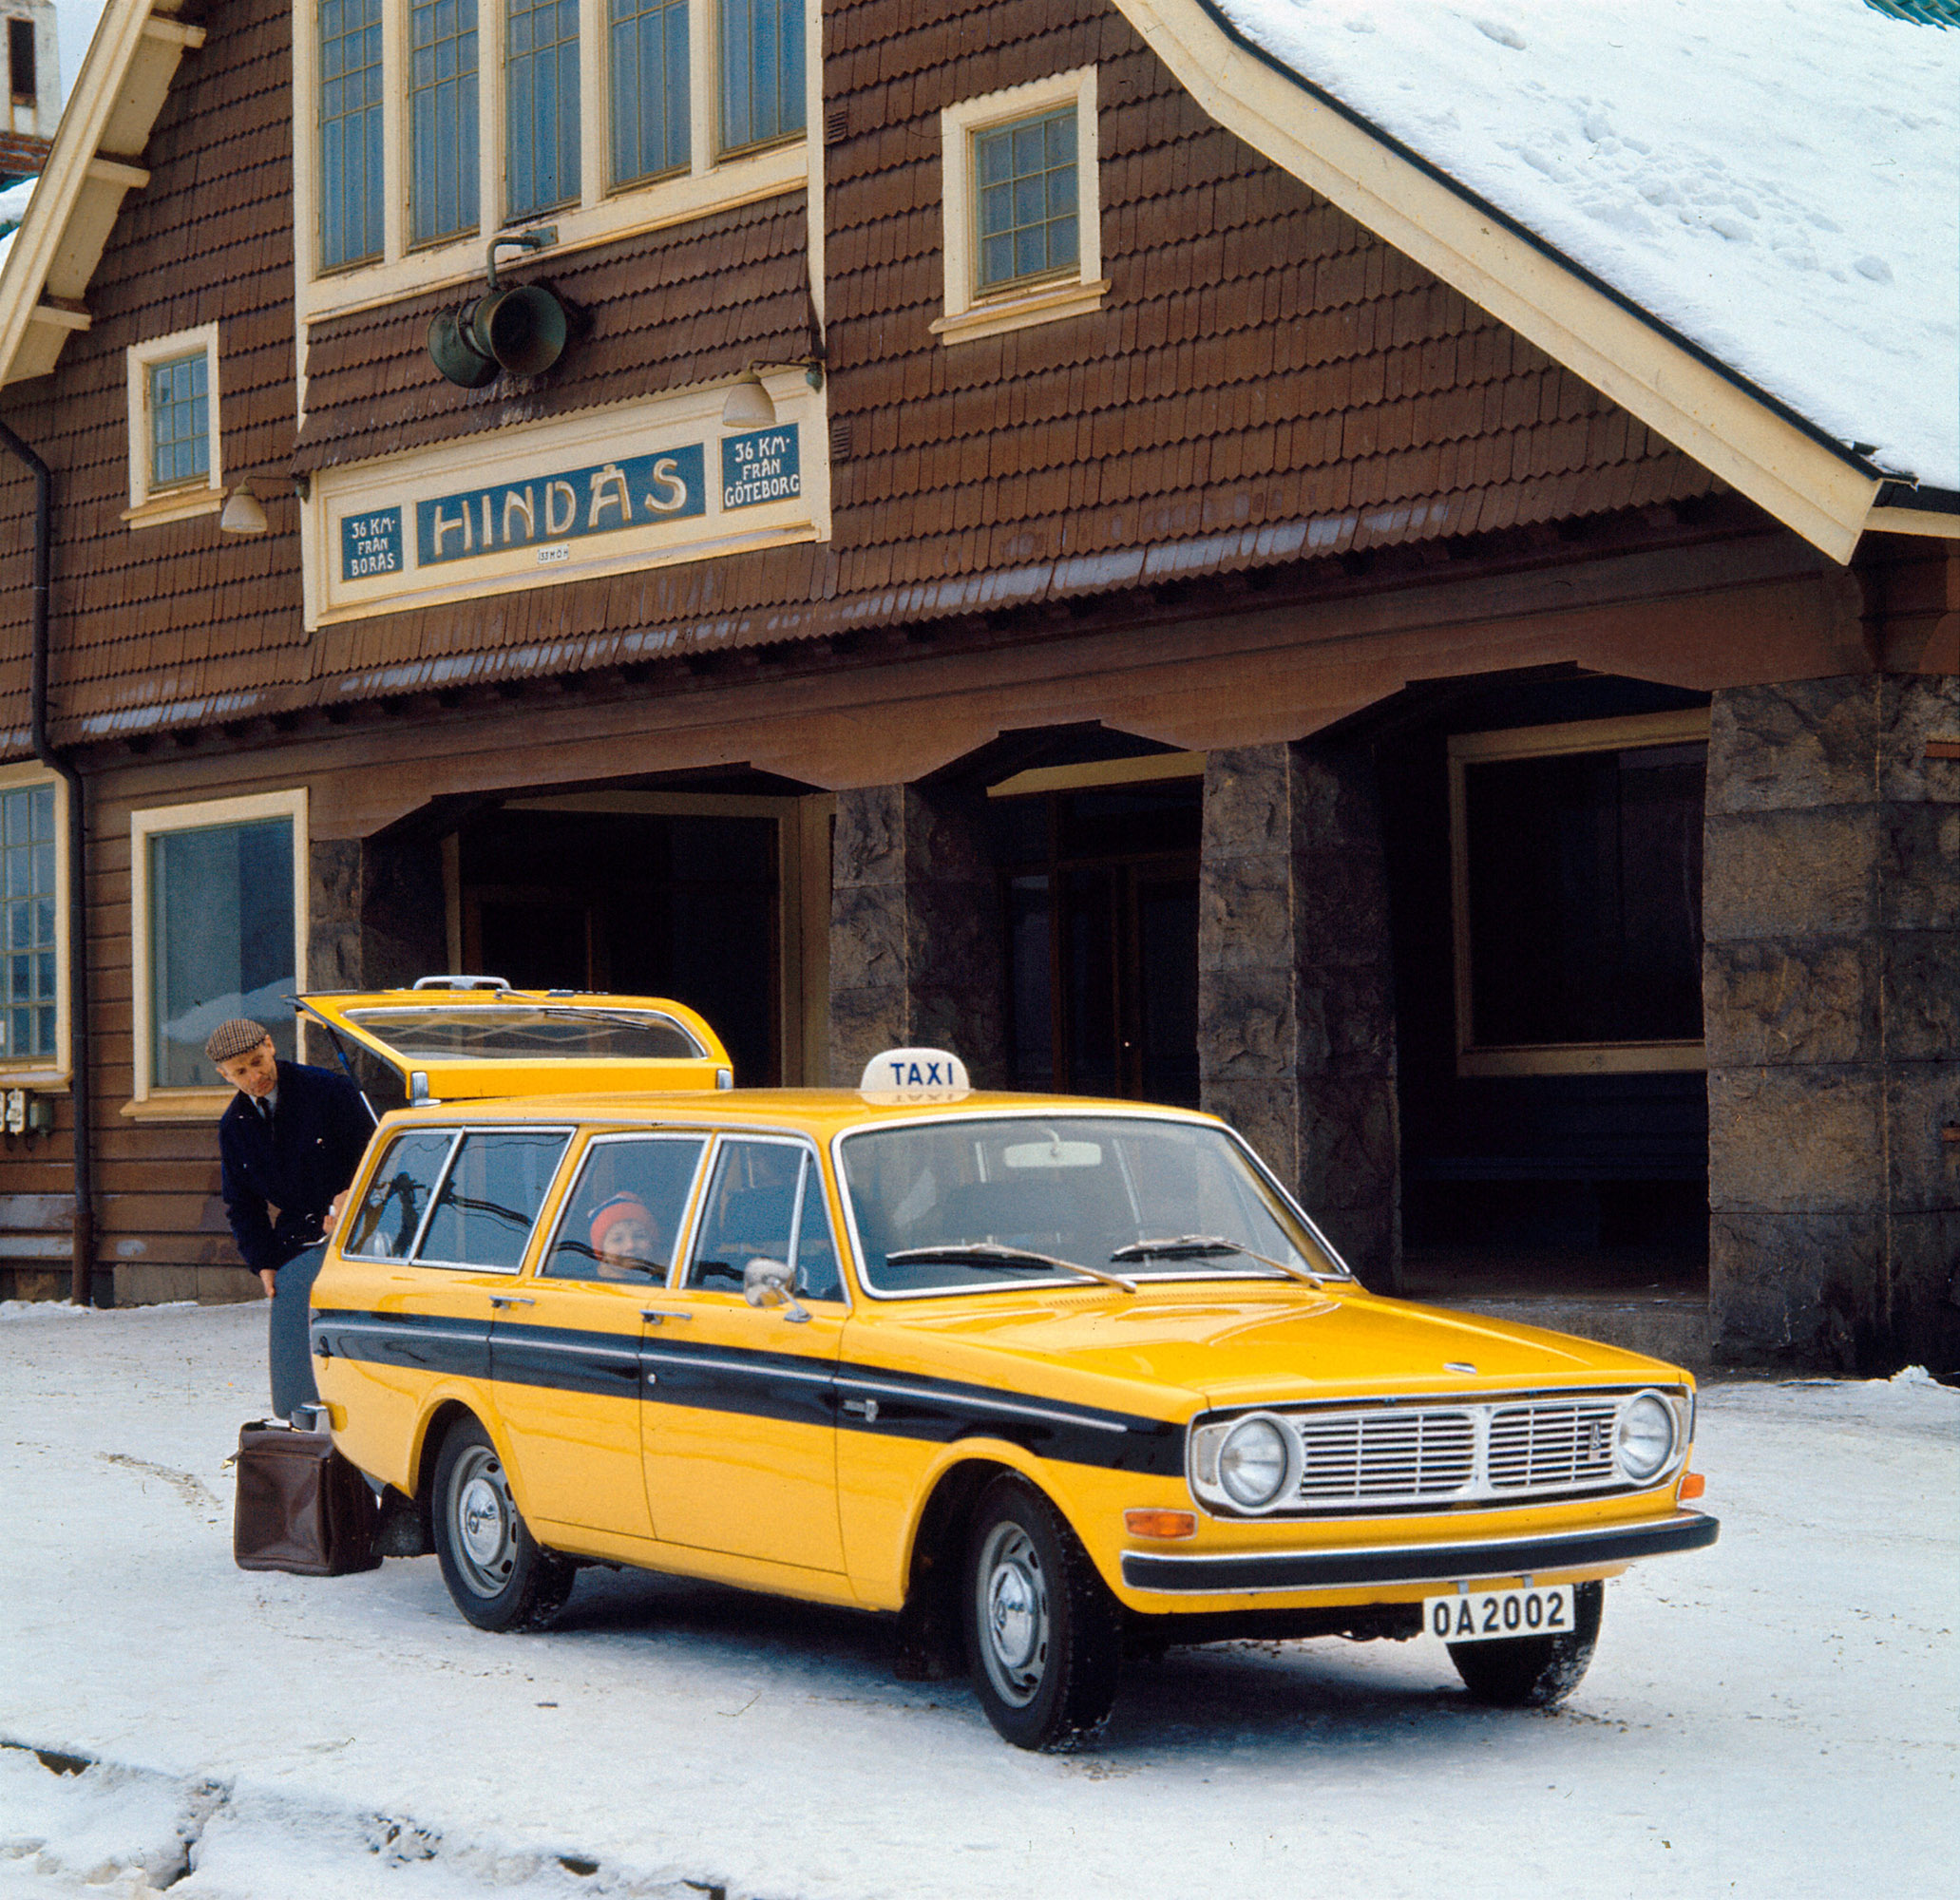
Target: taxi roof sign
<point x="915" y="1075"/>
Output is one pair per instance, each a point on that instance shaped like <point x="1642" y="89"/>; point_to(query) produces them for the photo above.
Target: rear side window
<point x="766" y="1202"/>
<point x="624" y="1215"/>
<point x="384" y="1224"/>
<point x="489" y="1203"/>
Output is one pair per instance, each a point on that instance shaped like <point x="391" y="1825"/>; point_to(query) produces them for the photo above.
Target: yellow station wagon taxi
<point x="1054" y="1379"/>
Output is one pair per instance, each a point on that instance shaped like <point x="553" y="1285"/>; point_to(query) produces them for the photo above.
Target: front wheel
<point x="498" y="1575"/>
<point x="1533" y="1672"/>
<point x="1043" y="1634"/>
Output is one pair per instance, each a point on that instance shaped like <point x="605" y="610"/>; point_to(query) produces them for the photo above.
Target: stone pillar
<point x="916" y="937"/>
<point x="1296" y="987"/>
<point x="1831" y="981"/>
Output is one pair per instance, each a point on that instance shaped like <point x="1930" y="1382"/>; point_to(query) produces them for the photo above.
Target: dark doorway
<point x="1100" y="894"/>
<point x="1554" y="1124"/>
<point x="679" y="906"/>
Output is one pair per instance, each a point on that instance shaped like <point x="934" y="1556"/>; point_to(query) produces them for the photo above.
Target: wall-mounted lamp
<point x="242" y="514"/>
<point x="748" y="405"/>
<point x="518" y="328"/>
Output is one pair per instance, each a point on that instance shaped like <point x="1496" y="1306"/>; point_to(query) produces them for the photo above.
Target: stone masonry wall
<point x="916" y="950"/>
<point x="1296" y="997"/>
<point x="1830" y="979"/>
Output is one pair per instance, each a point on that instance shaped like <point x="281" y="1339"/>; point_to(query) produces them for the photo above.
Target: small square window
<point x="180" y="423"/>
<point x="1023" y="242"/>
<point x="174" y="467"/>
<point x="1026" y="175"/>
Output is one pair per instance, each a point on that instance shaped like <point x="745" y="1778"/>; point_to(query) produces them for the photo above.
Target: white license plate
<point x="1491" y="1616"/>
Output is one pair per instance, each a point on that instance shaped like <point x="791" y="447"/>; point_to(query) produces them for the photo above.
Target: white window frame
<point x="149" y="1098"/>
<point x="31" y="1073"/>
<point x="1525" y="741"/>
<point x="149" y="504"/>
<point x="711" y="182"/>
<point x="970" y="312"/>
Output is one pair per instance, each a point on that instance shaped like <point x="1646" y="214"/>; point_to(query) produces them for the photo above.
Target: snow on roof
<point x="1776" y="180"/>
<point x="13" y="207"/>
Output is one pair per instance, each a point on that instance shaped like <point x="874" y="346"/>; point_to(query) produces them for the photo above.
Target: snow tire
<point x="1044" y="1636"/>
<point x="1533" y="1672"/>
<point x="498" y="1574"/>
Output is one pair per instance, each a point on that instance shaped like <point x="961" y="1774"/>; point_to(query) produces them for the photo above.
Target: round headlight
<point x="1643" y="1439"/>
<point x="1252" y="1463"/>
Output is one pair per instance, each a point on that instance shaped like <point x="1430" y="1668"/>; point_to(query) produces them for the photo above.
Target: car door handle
<point x="653" y="1316"/>
<point x="512" y="1299"/>
<point x="865" y="1408"/>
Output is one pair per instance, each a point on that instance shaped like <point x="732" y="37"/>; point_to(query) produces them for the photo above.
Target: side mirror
<point x="767" y="1282"/>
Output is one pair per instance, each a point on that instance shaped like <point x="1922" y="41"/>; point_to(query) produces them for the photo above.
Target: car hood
<point x="1277" y="1345"/>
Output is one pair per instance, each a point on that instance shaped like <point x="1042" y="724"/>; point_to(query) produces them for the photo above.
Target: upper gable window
<point x="1023" y="240"/>
<point x="175" y="467"/>
<point x="761" y="71"/>
<point x="350" y="117"/>
<point x="443" y="117"/>
<point x="541" y="102"/>
<point x="437" y="122"/>
<point x="1026" y="214"/>
<point x="179" y="404"/>
<point x="649" y="47"/>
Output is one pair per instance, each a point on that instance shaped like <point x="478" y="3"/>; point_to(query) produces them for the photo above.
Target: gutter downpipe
<point x="81" y="1286"/>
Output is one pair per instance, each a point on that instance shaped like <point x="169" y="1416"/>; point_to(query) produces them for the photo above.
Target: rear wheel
<point x="1533" y="1672"/>
<point x="498" y="1575"/>
<point x="1043" y="1634"/>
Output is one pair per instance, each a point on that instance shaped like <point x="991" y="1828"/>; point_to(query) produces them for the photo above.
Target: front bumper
<point x="1396" y="1564"/>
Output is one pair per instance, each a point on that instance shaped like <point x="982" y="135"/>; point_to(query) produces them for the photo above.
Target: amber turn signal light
<point x="1693" y="1486"/>
<point x="1160" y="1524"/>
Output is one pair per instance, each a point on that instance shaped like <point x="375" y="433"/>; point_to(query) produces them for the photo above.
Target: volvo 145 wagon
<point x="1052" y="1379"/>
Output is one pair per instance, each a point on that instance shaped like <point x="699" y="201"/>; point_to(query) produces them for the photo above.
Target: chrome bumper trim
<point x="1271" y="1570"/>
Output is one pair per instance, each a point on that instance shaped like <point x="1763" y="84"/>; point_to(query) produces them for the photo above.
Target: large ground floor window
<point x="219" y="915"/>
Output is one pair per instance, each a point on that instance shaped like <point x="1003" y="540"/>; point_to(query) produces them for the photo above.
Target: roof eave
<point x="122" y="87"/>
<point x="1820" y="489"/>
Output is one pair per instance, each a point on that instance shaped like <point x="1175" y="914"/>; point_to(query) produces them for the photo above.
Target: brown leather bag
<point x="301" y="1507"/>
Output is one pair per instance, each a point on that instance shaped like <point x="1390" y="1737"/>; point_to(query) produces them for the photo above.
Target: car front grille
<point x="1385" y="1457"/>
<point x="1540" y="1446"/>
<point x="1366" y="1456"/>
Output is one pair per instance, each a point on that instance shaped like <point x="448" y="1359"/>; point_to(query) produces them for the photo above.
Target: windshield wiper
<point x="988" y="1253"/>
<point x="1208" y="1246"/>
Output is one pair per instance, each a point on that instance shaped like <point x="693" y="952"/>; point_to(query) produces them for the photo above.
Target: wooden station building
<point x="1029" y="547"/>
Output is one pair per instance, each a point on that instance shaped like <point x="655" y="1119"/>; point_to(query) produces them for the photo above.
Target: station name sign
<point x="547" y="511"/>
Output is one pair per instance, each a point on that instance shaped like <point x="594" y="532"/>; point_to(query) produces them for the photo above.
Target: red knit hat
<point x="621" y="1208"/>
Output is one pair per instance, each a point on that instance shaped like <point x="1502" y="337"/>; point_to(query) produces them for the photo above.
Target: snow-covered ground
<point x="1774" y="1717"/>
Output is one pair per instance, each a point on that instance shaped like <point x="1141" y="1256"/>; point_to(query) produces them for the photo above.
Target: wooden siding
<point x="171" y="625"/>
<point x="667" y="310"/>
<point x="1266" y="385"/>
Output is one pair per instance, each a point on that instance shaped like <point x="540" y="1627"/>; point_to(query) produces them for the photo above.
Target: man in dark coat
<point x="288" y="1147"/>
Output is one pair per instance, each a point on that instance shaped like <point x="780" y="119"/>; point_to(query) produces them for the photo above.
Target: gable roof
<point x="1738" y="222"/>
<point x="45" y="274"/>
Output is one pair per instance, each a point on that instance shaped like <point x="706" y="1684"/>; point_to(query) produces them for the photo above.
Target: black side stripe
<point x="755" y="1384"/>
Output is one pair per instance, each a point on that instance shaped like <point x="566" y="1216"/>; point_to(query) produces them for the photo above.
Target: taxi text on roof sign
<point x="915" y="1075"/>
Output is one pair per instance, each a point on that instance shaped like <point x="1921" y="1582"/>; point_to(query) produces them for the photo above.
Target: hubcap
<point x="1014" y="1614"/>
<point x="484" y="1517"/>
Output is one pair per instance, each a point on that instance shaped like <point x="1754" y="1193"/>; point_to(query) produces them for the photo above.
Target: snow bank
<point x="1773" y="1716"/>
<point x="1777" y="180"/>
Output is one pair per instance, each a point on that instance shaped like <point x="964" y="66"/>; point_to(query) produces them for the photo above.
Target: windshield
<point x="512" y="1032"/>
<point x="1082" y="1189"/>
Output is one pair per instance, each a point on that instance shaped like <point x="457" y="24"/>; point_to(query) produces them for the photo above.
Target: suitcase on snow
<point x="301" y="1507"/>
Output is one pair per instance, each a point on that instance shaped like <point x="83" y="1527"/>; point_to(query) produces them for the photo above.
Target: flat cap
<point x="237" y="1037"/>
